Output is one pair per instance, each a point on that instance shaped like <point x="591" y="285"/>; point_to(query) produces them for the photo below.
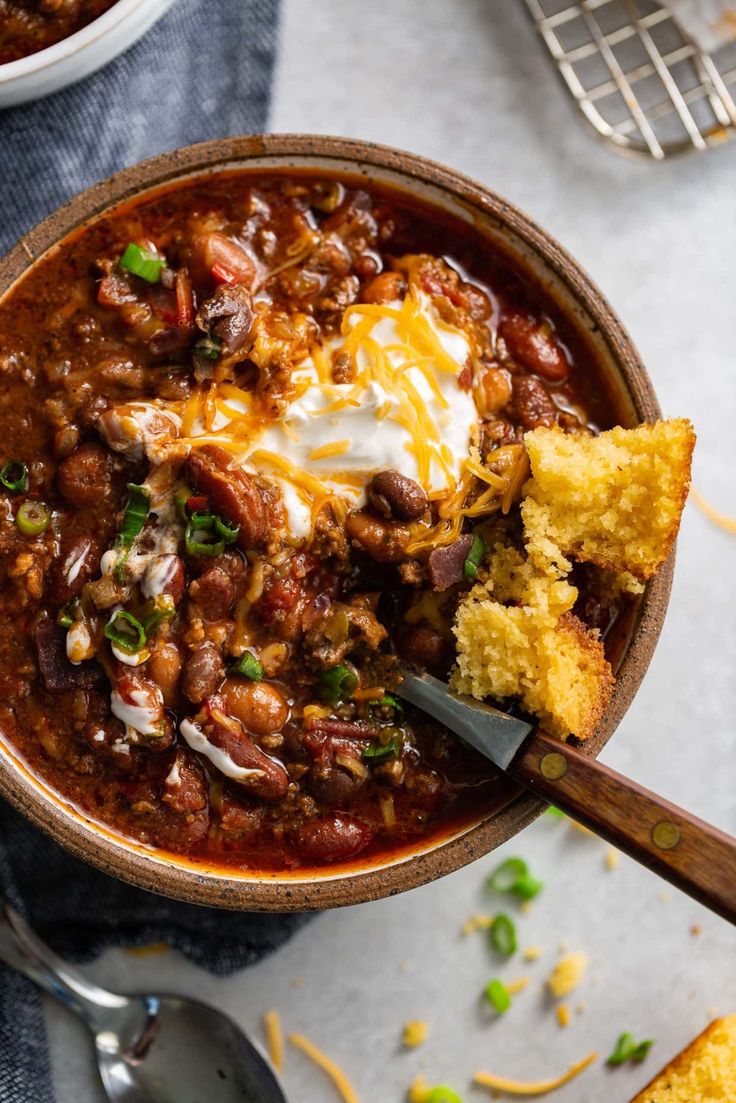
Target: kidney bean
<point x="231" y="493"/>
<point x="385" y="288"/>
<point x="381" y="541"/>
<point x="229" y="315"/>
<point x="78" y="561"/>
<point x="534" y="346"/>
<point x="532" y="404"/>
<point x="203" y="672"/>
<point x="333" y="785"/>
<point x="85" y="477"/>
<point x="260" y="706"/>
<point x="214" y="593"/>
<point x="446" y="566"/>
<point x="423" y="646"/>
<point x="330" y="838"/>
<point x="164" y="668"/>
<point x="164" y="575"/>
<point x="230" y="737"/>
<point x="185" y="785"/>
<point x="393" y="495"/>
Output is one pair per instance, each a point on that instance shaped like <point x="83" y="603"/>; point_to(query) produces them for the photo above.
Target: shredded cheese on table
<point x="322" y="1061"/>
<point x="728" y="524"/>
<point x="274" y="1039"/>
<point x="535" y="1087"/>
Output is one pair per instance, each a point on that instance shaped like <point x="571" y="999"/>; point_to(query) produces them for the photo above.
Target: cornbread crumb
<point x="562" y="1011"/>
<point x="297" y="982"/>
<point x="665" y="896"/>
<point x="414" y="1033"/>
<point x="705" y="1072"/>
<point x="476" y="923"/>
<point x="567" y="975"/>
<point x="535" y="649"/>
<point x="614" y="500"/>
<point x="419" y="1091"/>
<point x="695" y="930"/>
<point x="581" y="1008"/>
<point x="612" y="858"/>
<point x="532" y="953"/>
<point x="526" y="906"/>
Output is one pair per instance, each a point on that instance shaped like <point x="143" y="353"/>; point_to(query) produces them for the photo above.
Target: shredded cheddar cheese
<point x="567" y="975"/>
<point x="322" y="1061"/>
<point x="477" y="923"/>
<point x="325" y="451"/>
<point x="274" y="1039"/>
<point x="728" y="524"/>
<point x="517" y="986"/>
<point x="535" y="1087"/>
<point x="562" y="1011"/>
<point x="532" y="953"/>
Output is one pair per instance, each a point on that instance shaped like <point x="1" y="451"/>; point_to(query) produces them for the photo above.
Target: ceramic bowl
<point x="79" y="55"/>
<point x="506" y="228"/>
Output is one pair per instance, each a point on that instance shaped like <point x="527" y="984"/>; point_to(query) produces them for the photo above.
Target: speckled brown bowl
<point x="561" y="277"/>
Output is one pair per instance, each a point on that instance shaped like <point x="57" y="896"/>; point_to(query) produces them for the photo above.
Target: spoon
<point x="686" y="851"/>
<point x="150" y="1048"/>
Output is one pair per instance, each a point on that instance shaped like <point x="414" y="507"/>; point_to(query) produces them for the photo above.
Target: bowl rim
<point x="194" y="882"/>
<point x="104" y="25"/>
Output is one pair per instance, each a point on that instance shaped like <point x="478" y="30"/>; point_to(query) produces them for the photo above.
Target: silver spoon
<point x="150" y="1048"/>
<point x="691" y="854"/>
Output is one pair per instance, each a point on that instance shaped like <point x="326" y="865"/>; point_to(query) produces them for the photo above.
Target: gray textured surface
<point x="464" y="82"/>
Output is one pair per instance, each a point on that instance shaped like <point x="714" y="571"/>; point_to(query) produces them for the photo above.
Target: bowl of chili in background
<point x="489" y="235"/>
<point x="43" y="49"/>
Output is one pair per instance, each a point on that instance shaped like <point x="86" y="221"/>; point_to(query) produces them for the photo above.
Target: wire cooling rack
<point x="638" y="78"/>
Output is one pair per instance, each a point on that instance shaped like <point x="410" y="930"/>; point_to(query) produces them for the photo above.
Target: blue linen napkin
<point x="204" y="71"/>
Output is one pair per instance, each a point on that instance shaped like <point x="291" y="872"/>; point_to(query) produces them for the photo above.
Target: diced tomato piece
<point x="196" y="504"/>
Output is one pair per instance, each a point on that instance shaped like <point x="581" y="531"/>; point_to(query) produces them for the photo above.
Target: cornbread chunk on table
<point x="614" y="500"/>
<point x="705" y="1072"/>
<point x="534" y="649"/>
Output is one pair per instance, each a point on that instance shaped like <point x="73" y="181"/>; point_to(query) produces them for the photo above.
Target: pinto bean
<point x="423" y="646"/>
<point x="85" y="477"/>
<point x="533" y="345"/>
<point x="532" y="404"/>
<point x="394" y="496"/>
<point x="203" y="672"/>
<point x="382" y="541"/>
<point x="66" y="440"/>
<point x="446" y="566"/>
<point x="384" y="288"/>
<point x="492" y="391"/>
<point x="214" y="593"/>
<point x="330" y="838"/>
<point x="259" y="706"/>
<point x="232" y="493"/>
<point x="164" y="668"/>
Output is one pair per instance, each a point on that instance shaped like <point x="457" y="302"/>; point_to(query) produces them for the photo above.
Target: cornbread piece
<point x="535" y="650"/>
<point x="705" y="1072"/>
<point x="567" y="975"/>
<point x="614" y="500"/>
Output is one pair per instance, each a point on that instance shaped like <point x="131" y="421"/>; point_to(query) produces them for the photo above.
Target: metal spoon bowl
<point x="150" y="1048"/>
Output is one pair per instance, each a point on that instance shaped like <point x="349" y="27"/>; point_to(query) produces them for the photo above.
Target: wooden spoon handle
<point x="697" y="858"/>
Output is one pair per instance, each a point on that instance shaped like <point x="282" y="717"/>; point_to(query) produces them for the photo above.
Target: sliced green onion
<point x="377" y="752"/>
<point x="202" y="520"/>
<point x="199" y="541"/>
<point x="513" y="876"/>
<point x="557" y="813"/>
<point x="181" y="497"/>
<point x="126" y="632"/>
<point x="498" y="996"/>
<point x="505" y="876"/>
<point x="442" y="1094"/>
<point x="64" y="619"/>
<point x="163" y="610"/>
<point x="142" y="262"/>
<point x="14" y="476"/>
<point x="642" y="1050"/>
<point x="627" y="1049"/>
<point x="503" y="935"/>
<point x="248" y="665"/>
<point x="388" y="701"/>
<point x="337" y="683"/>
<point x="474" y="558"/>
<point x="210" y="347"/>
<point x="136" y="512"/>
<point x="229" y="533"/>
<point x="32" y="518"/>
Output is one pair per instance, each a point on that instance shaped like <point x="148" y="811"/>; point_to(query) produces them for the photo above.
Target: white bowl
<point x="82" y="53"/>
